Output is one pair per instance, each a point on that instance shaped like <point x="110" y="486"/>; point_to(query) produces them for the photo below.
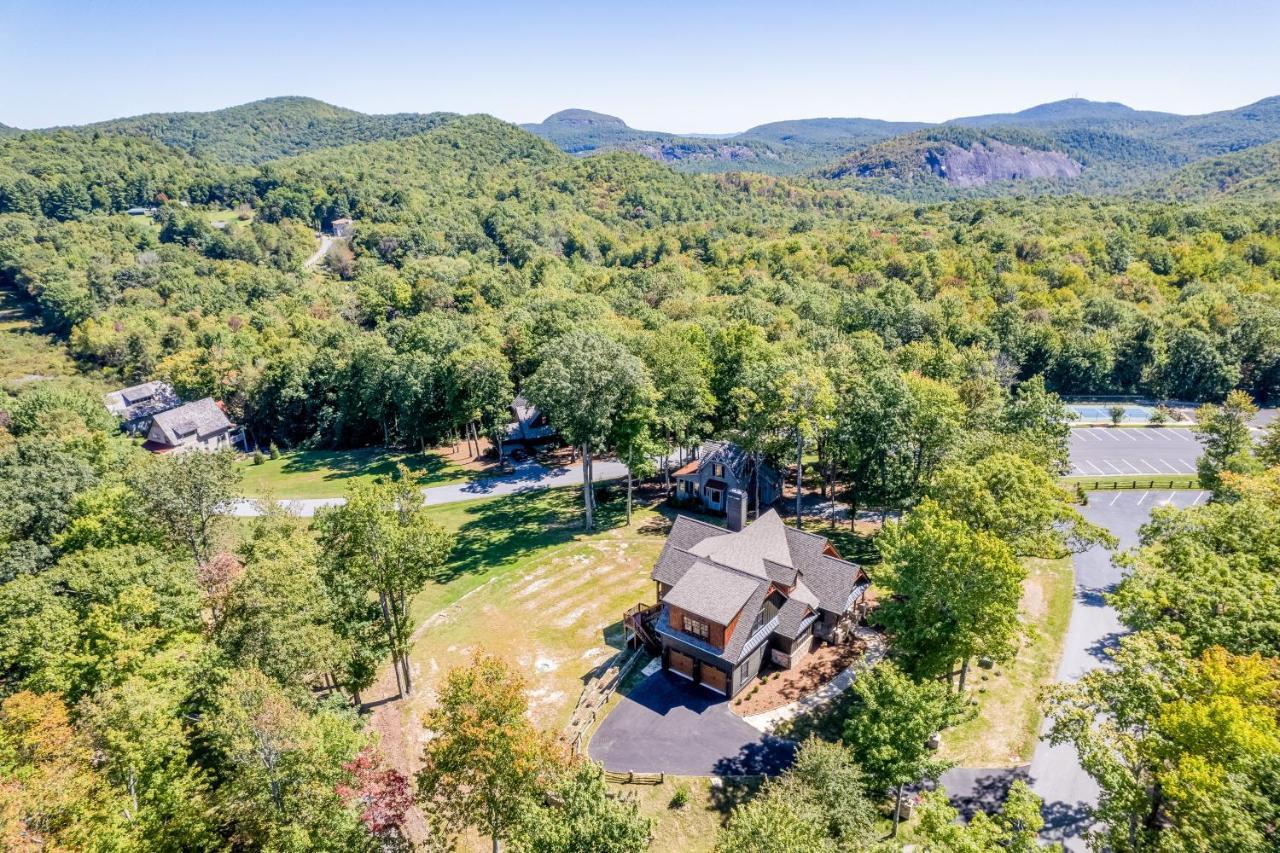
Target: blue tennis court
<point x="1100" y="412"/>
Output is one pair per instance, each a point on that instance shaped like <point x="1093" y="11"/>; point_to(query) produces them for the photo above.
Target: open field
<point x="24" y="352"/>
<point x="331" y="473"/>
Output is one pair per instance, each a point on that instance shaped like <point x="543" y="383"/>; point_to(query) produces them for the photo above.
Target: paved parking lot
<point x="1125" y="451"/>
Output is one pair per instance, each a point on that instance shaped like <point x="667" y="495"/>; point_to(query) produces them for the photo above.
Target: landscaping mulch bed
<point x="778" y="687"/>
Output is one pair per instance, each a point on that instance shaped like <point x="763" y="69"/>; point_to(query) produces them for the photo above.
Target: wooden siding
<point x="715" y="633"/>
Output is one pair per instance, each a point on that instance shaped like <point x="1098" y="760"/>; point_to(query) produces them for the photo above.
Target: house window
<point x="696" y="628"/>
<point x="717" y="470"/>
<point x="713" y="497"/>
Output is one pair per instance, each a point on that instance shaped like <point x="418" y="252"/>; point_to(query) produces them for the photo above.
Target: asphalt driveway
<point x="1055" y="772"/>
<point x="669" y="725"/>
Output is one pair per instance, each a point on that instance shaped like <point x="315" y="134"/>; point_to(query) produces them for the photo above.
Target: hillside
<point x="1071" y="110"/>
<point x="940" y="161"/>
<point x="1248" y="174"/>
<point x="585" y="132"/>
<point x="268" y="129"/>
<point x="816" y="131"/>
<point x="64" y="174"/>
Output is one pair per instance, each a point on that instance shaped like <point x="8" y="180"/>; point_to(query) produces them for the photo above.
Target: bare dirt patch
<point x="780" y="687"/>
<point x="462" y="455"/>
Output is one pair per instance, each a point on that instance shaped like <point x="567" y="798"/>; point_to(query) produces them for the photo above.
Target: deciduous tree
<point x="586" y="383"/>
<point x="383" y="539"/>
<point x="485" y="764"/>
<point x="954" y="592"/>
<point x="889" y="726"/>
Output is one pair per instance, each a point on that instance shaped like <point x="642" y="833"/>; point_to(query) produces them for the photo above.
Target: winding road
<point x="1095" y="627"/>
<point x="326" y="243"/>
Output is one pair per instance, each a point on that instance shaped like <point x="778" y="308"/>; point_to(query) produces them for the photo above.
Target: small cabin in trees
<point x="136" y="405"/>
<point x="529" y="424"/>
<point x="719" y="468"/>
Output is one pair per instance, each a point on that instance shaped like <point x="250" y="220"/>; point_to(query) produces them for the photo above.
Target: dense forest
<point x="157" y="692"/>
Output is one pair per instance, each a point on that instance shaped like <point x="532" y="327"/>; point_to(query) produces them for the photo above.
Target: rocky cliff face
<point x="992" y="160"/>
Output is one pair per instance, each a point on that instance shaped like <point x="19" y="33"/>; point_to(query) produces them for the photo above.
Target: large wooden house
<point x="730" y="598"/>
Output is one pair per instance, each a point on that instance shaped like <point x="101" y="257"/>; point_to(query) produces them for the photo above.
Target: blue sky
<point x="690" y="66"/>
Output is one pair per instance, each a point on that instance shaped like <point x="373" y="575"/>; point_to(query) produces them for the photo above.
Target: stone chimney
<point x="735" y="508"/>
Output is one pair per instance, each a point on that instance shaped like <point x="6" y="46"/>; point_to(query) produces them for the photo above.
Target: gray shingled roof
<point x="733" y="457"/>
<point x="201" y="418"/>
<point x="765" y="551"/>
<point x="712" y="592"/>
<point x="747" y="550"/>
<point x="792" y="618"/>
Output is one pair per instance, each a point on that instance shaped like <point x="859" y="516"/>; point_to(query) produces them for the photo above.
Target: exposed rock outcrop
<point x="992" y="160"/>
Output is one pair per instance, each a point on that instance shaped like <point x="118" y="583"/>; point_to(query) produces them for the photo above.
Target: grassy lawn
<point x="694" y="827"/>
<point x="1166" y="481"/>
<point x="1007" y="725"/>
<point x="330" y="473"/>
<point x="1004" y="731"/>
<point x="527" y="584"/>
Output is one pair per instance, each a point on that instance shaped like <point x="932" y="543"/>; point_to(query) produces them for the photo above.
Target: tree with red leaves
<point x="382" y="793"/>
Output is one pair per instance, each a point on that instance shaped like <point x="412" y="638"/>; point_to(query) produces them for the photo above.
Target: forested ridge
<point x="160" y="689"/>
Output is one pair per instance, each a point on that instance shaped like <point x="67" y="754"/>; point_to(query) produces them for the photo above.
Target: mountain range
<point x="1073" y="145"/>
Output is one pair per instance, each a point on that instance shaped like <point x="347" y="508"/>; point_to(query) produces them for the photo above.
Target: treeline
<point x="499" y="244"/>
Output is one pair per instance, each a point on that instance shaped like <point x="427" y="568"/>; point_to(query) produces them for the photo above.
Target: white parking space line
<point x="1170" y="467"/>
<point x="1114" y="466"/>
<point x="1095" y="468"/>
<point x="1143" y="498"/>
<point x="1199" y="497"/>
<point x="1152" y="467"/>
<point x="1116" y="498"/>
<point x="1146" y="436"/>
<point x="1191" y="466"/>
<point x="1128" y="433"/>
<point x="1131" y="465"/>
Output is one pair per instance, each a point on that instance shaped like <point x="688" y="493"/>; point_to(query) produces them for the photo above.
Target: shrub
<point x="1116" y="414"/>
<point x="680" y="798"/>
<point x="258" y="457"/>
<point x="274" y="451"/>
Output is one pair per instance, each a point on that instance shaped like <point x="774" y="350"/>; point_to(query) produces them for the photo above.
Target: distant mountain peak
<point x="585" y="118"/>
<point x="1066" y="110"/>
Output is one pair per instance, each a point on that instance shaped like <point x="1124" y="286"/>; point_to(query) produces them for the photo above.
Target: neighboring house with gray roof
<point x="720" y="467"/>
<point x="136" y="405"/>
<point x="529" y="425"/>
<point x="730" y="597"/>
<point x="201" y="425"/>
